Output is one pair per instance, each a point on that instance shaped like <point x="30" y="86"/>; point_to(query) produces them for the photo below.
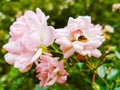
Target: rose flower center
<point x="82" y="38"/>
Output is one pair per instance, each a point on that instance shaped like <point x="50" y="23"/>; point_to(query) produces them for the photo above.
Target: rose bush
<point x="30" y="35"/>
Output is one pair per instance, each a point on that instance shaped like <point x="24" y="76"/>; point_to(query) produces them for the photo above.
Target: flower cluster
<point x="31" y="36"/>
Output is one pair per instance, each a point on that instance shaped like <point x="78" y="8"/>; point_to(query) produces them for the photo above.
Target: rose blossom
<point x="115" y="6"/>
<point x="50" y="70"/>
<point x="108" y="28"/>
<point x="80" y="36"/>
<point x="28" y="33"/>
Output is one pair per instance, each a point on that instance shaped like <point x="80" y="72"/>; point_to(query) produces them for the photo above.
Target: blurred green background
<point x="108" y="77"/>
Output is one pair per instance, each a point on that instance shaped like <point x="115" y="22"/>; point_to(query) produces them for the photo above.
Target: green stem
<point x="90" y="63"/>
<point x="54" y="48"/>
<point x="93" y="78"/>
<point x="102" y="59"/>
<point x="55" y="51"/>
<point x="105" y="83"/>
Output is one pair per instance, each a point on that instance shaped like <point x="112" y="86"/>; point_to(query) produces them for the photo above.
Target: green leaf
<point x="114" y="73"/>
<point x="102" y="70"/>
<point x="37" y="87"/>
<point x="80" y="64"/>
<point x="117" y="88"/>
<point x="117" y="54"/>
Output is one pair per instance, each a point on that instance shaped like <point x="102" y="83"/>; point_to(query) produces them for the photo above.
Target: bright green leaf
<point x="80" y="64"/>
<point x="113" y="74"/>
<point x="101" y="70"/>
<point x="117" y="54"/>
<point x="37" y="87"/>
<point x="117" y="88"/>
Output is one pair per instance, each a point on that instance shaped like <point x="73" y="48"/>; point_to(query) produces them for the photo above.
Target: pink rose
<point x="80" y="36"/>
<point x="28" y="33"/>
<point x="50" y="70"/>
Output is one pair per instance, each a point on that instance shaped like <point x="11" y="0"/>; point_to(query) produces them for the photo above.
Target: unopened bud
<point x="95" y="86"/>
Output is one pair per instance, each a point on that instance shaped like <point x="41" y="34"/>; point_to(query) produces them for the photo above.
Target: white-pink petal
<point x="10" y="58"/>
<point x="96" y="53"/>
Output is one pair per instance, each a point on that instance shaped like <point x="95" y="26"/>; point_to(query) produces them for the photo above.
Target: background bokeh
<point x="108" y="77"/>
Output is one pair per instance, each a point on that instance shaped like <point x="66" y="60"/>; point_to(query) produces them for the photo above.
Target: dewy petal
<point x="34" y="23"/>
<point x="46" y="33"/>
<point x="17" y="29"/>
<point x="87" y="52"/>
<point x="27" y="68"/>
<point x="29" y="13"/>
<point x="23" y="61"/>
<point x="96" y="43"/>
<point x="88" y="19"/>
<point x="31" y="40"/>
<point x="64" y="42"/>
<point x="96" y="53"/>
<point x="61" y="32"/>
<point x="68" y="53"/>
<point x="78" y="45"/>
<point x="42" y="83"/>
<point x="36" y="56"/>
<point x="41" y="15"/>
<point x="10" y="58"/>
<point x="13" y="47"/>
<point x="51" y="81"/>
<point x="48" y="37"/>
<point x="72" y="25"/>
<point x="61" y="65"/>
<point x="52" y="78"/>
<point x="62" y="79"/>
